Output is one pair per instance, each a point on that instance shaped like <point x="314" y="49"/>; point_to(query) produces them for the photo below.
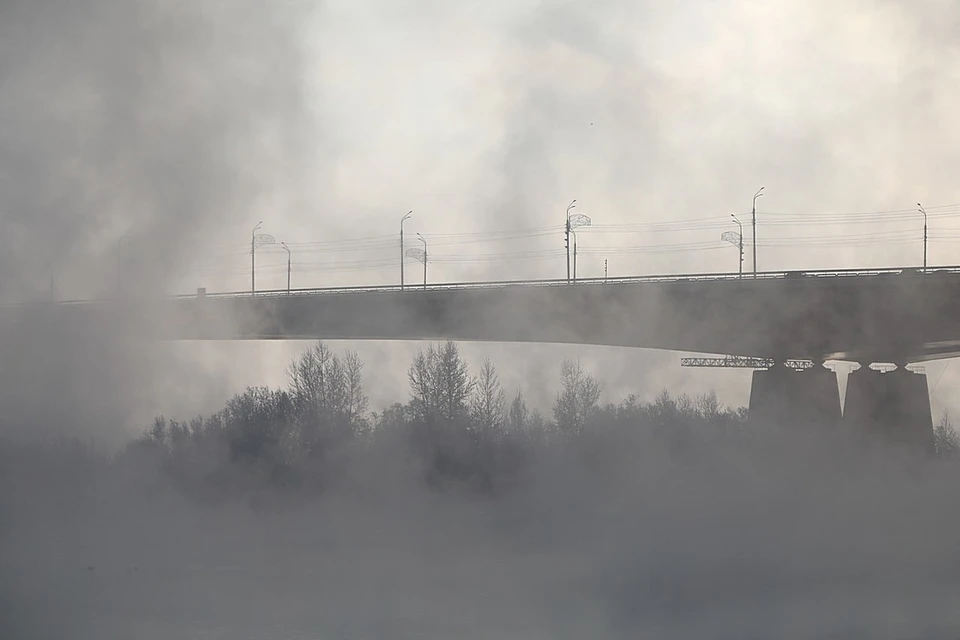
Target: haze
<point x="141" y="142"/>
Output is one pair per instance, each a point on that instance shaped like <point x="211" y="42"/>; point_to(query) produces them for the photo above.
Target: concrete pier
<point x="893" y="405"/>
<point x="805" y="399"/>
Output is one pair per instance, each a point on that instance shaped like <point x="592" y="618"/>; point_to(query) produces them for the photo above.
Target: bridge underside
<point x="895" y="316"/>
<point x="894" y="406"/>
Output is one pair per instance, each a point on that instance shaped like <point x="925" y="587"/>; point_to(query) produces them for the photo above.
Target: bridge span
<point x="884" y="315"/>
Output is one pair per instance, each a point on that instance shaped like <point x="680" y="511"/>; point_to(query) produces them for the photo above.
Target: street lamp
<point x="402" y="220"/>
<point x="424" y="241"/>
<point x="567" y="236"/>
<point x="289" y="264"/>
<point x="924" y="212"/>
<point x="257" y="240"/>
<point x="576" y="221"/>
<point x="755" y="196"/>
<point x="739" y="243"/>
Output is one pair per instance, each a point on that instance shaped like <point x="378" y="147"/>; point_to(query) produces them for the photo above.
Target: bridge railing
<point x="497" y="284"/>
<point x="493" y="284"/>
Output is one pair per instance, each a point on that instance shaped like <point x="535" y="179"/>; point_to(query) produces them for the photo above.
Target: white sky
<point x="488" y="118"/>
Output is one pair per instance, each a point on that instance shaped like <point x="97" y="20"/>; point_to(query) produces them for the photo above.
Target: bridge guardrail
<point x="496" y="284"/>
<point x="500" y="284"/>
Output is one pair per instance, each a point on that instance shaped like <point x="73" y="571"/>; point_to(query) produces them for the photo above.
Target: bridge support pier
<point x="787" y="398"/>
<point x="893" y="405"/>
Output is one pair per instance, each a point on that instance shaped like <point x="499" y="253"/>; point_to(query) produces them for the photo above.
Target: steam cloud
<point x="134" y="134"/>
<point x="170" y="122"/>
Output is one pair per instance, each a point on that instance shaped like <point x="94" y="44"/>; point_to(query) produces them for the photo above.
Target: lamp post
<point x="289" y="264"/>
<point x="755" y="196"/>
<point x="739" y="244"/>
<point x="253" y="258"/>
<point x="402" y="220"/>
<point x="575" y="221"/>
<point x="570" y="206"/>
<point x="924" y="212"/>
<point x="424" y="241"/>
<point x="574" y="234"/>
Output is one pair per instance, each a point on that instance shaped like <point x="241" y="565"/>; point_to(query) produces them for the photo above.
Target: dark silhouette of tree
<point x="327" y="392"/>
<point x="487" y="406"/>
<point x="456" y="431"/>
<point x="709" y="406"/>
<point x="394" y="418"/>
<point x="157" y="434"/>
<point x="440" y="433"/>
<point x="518" y="416"/>
<point x="945" y="438"/>
<point x="256" y="421"/>
<point x="440" y="385"/>
<point x="577" y="399"/>
<point x="537" y="427"/>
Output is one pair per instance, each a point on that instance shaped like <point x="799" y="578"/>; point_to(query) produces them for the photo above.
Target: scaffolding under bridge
<point x="744" y="362"/>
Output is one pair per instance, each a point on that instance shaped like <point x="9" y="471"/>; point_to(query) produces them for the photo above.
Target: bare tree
<point x="440" y="384"/>
<point x="355" y="400"/>
<point x="309" y="381"/>
<point x="709" y="406"/>
<point x="254" y="423"/>
<point x="579" y="397"/>
<point x="424" y="392"/>
<point x="328" y="393"/>
<point x="537" y="429"/>
<point x="945" y="438"/>
<point x="519" y="415"/>
<point x="488" y="403"/>
<point x="454" y="381"/>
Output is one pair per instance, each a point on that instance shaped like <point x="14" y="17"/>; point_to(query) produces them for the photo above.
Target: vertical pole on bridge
<point x="289" y="264"/>
<point x="402" y="220"/>
<point x="574" y="256"/>
<point x="566" y="234"/>
<point x="253" y="258"/>
<point x="924" y="212"/>
<point x="740" y="272"/>
<point x="736" y="221"/>
<point x="755" y="196"/>
<point x="424" y="241"/>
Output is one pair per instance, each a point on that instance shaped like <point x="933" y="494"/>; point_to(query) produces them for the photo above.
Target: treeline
<point x="456" y="428"/>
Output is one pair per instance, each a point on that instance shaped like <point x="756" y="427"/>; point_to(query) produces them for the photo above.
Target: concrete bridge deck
<point x="892" y="315"/>
<point x="888" y="315"/>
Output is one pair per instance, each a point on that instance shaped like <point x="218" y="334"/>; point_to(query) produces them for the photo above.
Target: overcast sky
<point x="184" y="126"/>
<point x="487" y="119"/>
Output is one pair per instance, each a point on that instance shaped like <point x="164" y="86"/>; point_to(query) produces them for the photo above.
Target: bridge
<point x="884" y="315"/>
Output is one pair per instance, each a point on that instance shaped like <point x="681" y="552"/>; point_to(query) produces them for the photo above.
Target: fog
<point x="141" y="142"/>
<point x="659" y="520"/>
